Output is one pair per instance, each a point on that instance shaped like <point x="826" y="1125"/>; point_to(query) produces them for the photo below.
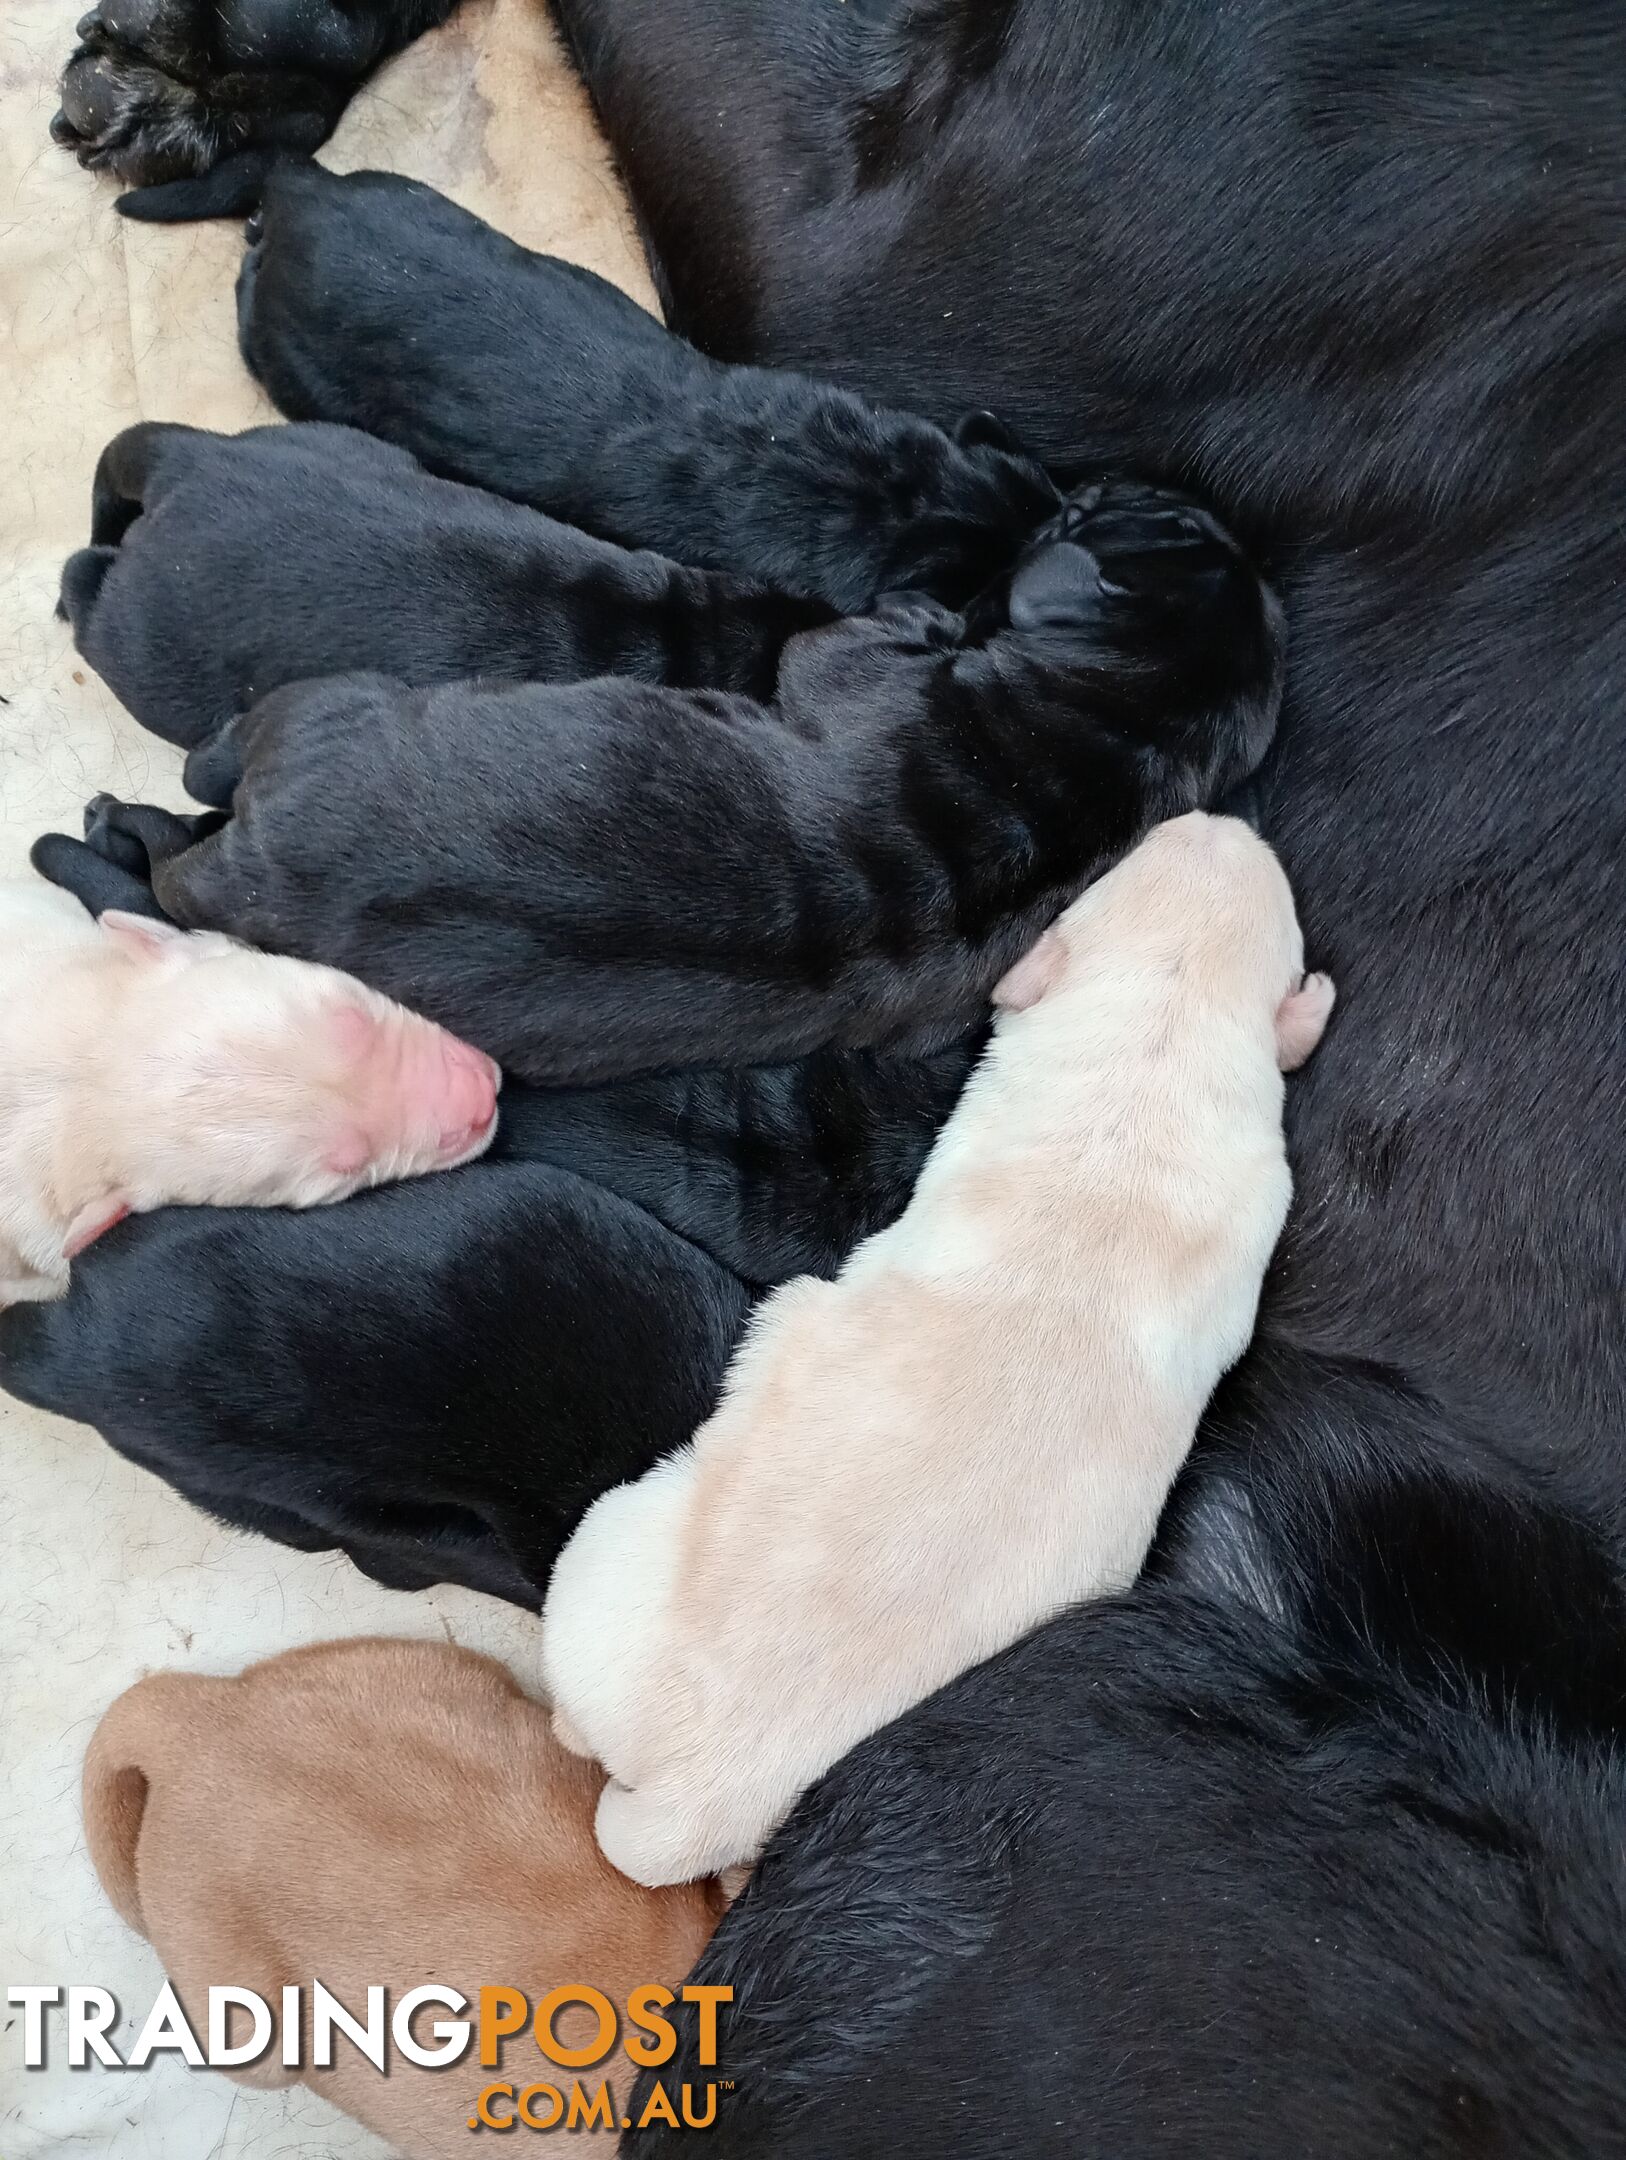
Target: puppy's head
<point x="1204" y="903"/>
<point x="1142" y="583"/>
<point x="251" y="1080"/>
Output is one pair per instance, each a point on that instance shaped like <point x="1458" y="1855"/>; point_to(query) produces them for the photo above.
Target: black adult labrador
<point x="1356" y="270"/>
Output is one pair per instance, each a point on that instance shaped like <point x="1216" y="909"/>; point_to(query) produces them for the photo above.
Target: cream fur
<point x="142" y="1066"/>
<point x="978" y="1422"/>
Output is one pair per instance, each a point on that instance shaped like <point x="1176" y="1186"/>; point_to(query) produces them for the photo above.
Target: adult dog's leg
<point x="157" y="89"/>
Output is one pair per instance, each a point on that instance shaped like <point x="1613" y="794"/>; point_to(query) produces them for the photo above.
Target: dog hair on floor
<point x="978" y="1422"/>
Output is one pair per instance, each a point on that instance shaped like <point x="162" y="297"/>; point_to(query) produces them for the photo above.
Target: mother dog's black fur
<point x="439" y="1377"/>
<point x="1357" y="270"/>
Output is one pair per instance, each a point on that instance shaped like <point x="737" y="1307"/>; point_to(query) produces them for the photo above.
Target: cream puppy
<point x="978" y="1422"/>
<point x="142" y="1066"/>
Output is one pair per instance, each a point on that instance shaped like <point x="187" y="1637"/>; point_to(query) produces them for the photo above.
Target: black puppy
<point x="441" y="1379"/>
<point x="599" y="878"/>
<point x="221" y="567"/>
<point x="577" y="401"/>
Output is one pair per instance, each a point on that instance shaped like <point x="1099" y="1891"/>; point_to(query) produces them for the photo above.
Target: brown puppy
<point x="375" y="1813"/>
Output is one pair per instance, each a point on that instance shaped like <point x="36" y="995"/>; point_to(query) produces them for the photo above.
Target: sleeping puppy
<point x="601" y="878"/>
<point x="142" y="1067"/>
<point x="376" y="1814"/>
<point x="438" y="1378"/>
<point x="221" y="567"/>
<point x="978" y="1422"/>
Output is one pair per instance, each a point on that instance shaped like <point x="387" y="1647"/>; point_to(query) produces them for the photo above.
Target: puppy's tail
<point x="230" y="189"/>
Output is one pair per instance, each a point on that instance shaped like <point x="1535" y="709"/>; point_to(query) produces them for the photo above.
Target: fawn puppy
<point x="375" y="1813"/>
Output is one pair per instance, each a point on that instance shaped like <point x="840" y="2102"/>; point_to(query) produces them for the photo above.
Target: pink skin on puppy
<point x="143" y="1066"/>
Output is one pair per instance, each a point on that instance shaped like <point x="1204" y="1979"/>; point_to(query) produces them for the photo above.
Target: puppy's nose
<point x="468" y="1096"/>
<point x="254" y="228"/>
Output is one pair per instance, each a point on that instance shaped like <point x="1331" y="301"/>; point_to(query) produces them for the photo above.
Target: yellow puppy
<point x="978" y="1422"/>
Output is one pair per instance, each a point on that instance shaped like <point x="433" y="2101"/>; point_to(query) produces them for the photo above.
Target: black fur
<point x="1162" y="1880"/>
<point x="438" y="1377"/>
<point x="222" y="567"/>
<point x="157" y="89"/>
<point x="595" y="879"/>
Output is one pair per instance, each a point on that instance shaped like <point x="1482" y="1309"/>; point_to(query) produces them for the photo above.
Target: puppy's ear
<point x="1301" y="1020"/>
<point x="983" y="430"/>
<point x="144" y="937"/>
<point x="1038" y="970"/>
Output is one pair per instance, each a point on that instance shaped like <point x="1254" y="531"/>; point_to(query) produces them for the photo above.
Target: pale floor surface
<point x="104" y="1574"/>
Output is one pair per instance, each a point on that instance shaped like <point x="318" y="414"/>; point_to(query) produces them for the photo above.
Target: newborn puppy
<point x="140" y="1067"/>
<point x="439" y="1377"/>
<point x="221" y="567"/>
<point x="374" y="1813"/>
<point x="355" y="305"/>
<point x="608" y="877"/>
<point x="978" y="1422"/>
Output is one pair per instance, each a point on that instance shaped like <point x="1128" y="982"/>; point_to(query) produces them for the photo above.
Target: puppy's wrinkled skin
<point x="611" y="877"/>
<point x="366" y="1814"/>
<point x="222" y="567"/>
<point x="143" y="1067"/>
<point x="439" y="1377"/>
<point x="978" y="1422"/>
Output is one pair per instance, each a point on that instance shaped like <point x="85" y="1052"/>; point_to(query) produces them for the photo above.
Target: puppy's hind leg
<point x="654" y="1841"/>
<point x="96" y="883"/>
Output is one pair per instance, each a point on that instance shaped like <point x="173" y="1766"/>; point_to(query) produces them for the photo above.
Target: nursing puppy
<point x="438" y="1378"/>
<point x="608" y="877"/>
<point x="576" y="400"/>
<point x="978" y="1423"/>
<point x="221" y="567"/>
<point x="374" y="1813"/>
<point x="142" y="1067"/>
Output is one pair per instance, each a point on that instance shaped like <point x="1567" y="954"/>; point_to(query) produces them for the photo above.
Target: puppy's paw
<point x="1301" y="1020"/>
<point x="142" y="98"/>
